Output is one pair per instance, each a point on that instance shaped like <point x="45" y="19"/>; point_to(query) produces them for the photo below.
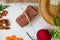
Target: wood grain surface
<point x="48" y="11"/>
<point x="44" y="12"/>
<point x="11" y="1"/>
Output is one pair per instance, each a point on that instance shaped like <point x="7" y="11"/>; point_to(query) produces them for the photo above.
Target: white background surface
<point x="14" y="11"/>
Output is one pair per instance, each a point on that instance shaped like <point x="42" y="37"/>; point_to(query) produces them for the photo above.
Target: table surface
<point x="14" y="11"/>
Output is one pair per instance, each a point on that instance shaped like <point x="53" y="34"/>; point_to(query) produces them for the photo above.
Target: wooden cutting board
<point x="11" y="1"/>
<point x="48" y="11"/>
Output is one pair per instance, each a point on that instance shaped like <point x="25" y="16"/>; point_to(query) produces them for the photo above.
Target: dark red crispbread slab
<point x="31" y="11"/>
<point x="22" y="20"/>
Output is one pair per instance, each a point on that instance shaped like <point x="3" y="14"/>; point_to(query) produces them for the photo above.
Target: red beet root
<point x="43" y="35"/>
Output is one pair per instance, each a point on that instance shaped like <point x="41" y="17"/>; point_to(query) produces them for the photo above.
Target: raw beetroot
<point x="43" y="35"/>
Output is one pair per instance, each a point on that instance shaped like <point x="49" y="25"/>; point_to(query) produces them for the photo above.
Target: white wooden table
<point x="14" y="11"/>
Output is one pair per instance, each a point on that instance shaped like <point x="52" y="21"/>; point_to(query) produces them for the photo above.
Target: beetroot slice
<point x="43" y="35"/>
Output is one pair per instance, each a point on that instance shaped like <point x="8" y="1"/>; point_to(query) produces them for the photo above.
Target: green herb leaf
<point x="55" y="20"/>
<point x="3" y="7"/>
<point x="56" y="33"/>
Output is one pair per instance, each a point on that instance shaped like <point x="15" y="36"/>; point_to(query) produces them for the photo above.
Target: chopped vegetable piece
<point x="13" y="37"/>
<point x="55" y="20"/>
<point x="8" y="38"/>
